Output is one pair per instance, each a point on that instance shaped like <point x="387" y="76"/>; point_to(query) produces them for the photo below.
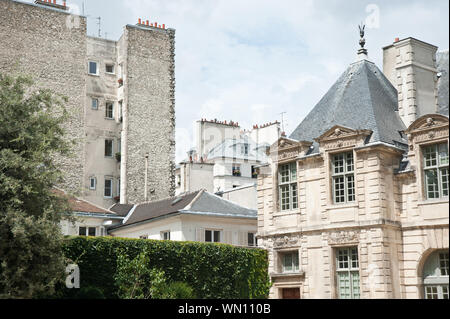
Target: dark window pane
<point x="82" y="231"/>
<point x="217" y="236"/>
<point x="91" y="231"/>
<point x="208" y="236"/>
<point x="92" y="67"/>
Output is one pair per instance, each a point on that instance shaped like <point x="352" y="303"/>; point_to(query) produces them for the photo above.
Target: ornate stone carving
<point x="343" y="237"/>
<point x="286" y="241"/>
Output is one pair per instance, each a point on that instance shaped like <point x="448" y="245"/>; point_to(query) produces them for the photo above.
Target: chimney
<point x="53" y="4"/>
<point x="410" y="66"/>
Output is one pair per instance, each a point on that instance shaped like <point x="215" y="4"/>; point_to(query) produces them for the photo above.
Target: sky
<point x="250" y="60"/>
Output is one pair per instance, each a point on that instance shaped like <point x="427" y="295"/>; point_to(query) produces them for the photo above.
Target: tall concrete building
<point x="121" y="97"/>
<point x="354" y="204"/>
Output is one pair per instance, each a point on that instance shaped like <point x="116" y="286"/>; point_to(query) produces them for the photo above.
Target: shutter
<point x="228" y="237"/>
<point x="200" y="234"/>
<point x="242" y="238"/>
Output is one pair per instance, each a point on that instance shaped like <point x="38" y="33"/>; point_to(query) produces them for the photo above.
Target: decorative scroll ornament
<point x="343" y="237"/>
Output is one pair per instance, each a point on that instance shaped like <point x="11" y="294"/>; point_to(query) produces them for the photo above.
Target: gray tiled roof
<point x="203" y="204"/>
<point x="231" y="148"/>
<point x="442" y="67"/>
<point x="362" y="98"/>
<point x="215" y="205"/>
<point x="121" y="209"/>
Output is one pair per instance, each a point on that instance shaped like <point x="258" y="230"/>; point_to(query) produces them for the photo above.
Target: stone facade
<point x="51" y="45"/>
<point x="391" y="226"/>
<point x="48" y="47"/>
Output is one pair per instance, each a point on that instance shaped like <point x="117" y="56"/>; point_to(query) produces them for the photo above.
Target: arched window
<point x="435" y="275"/>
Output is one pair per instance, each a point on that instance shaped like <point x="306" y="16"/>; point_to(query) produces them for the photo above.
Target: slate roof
<point x="362" y="98"/>
<point x="211" y="204"/>
<point x="121" y="209"/>
<point x="199" y="202"/>
<point x="442" y="67"/>
<point x="231" y="148"/>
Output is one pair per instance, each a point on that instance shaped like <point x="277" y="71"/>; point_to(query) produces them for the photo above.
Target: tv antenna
<point x="99" y="23"/>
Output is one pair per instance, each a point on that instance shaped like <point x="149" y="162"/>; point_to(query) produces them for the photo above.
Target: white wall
<point x="153" y="229"/>
<point x="188" y="228"/>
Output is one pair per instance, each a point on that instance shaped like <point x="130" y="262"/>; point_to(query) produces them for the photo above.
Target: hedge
<point x="213" y="270"/>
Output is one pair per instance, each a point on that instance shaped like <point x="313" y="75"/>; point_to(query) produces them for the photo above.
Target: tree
<point x="31" y="135"/>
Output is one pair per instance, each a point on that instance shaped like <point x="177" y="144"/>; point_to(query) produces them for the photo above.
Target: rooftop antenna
<point x="99" y="23"/>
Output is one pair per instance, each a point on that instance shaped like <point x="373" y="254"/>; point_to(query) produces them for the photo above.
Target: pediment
<point x="341" y="132"/>
<point x="427" y="122"/>
<point x="286" y="148"/>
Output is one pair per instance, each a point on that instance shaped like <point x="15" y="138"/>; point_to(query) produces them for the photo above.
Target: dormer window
<point x="435" y="163"/>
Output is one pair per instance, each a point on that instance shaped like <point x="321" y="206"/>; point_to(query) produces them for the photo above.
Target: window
<point x="108" y="188"/>
<point x="287" y="180"/>
<point x="92" y="183"/>
<point x="289" y="262"/>
<point x="109" y="148"/>
<point x="143" y="237"/>
<point x="94" y="104"/>
<point x="93" y="69"/>
<point x="109" y="113"/>
<point x="236" y="170"/>
<point x="435" y="159"/>
<point x="118" y="188"/>
<point x="165" y="235"/>
<point x="347" y="272"/>
<point x="254" y="172"/>
<point x="343" y="178"/>
<point x="435" y="275"/>
<point x="212" y="236"/>
<point x="120" y="110"/>
<point x="87" y="231"/>
<point x="109" y="68"/>
<point x="252" y="241"/>
<point x="244" y="149"/>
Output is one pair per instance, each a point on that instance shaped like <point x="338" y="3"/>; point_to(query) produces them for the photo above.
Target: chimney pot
<point x="396" y="40"/>
<point x="146" y="22"/>
<point x="139" y="21"/>
<point x="164" y="26"/>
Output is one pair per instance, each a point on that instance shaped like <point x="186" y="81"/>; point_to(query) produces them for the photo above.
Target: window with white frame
<point x="93" y="68"/>
<point x="343" y="174"/>
<point x="435" y="275"/>
<point x="244" y="149"/>
<point x="435" y="163"/>
<point x="109" y="111"/>
<point x="109" y="68"/>
<point x="287" y="186"/>
<point x="347" y="272"/>
<point x="87" y="231"/>
<point x="108" y="187"/>
<point x="93" y="183"/>
<point x="94" y="104"/>
<point x="165" y="235"/>
<point x="289" y="262"/>
<point x="109" y="148"/>
<point x="251" y="240"/>
<point x="212" y="236"/>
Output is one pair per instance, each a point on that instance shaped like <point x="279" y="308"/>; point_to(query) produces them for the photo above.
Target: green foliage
<point x="211" y="270"/>
<point x="135" y="280"/>
<point x="31" y="134"/>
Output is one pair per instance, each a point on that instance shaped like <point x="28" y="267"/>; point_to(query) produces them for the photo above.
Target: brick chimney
<point x="53" y="4"/>
<point x="410" y="65"/>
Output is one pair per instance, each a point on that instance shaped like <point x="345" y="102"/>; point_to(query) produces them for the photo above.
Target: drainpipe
<point x="146" y="179"/>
